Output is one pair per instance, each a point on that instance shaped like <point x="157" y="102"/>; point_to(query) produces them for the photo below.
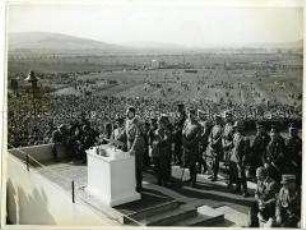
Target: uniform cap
<point x="131" y="109"/>
<point x="287" y="178"/>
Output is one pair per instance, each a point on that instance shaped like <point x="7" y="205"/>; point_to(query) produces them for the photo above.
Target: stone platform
<point x="209" y="204"/>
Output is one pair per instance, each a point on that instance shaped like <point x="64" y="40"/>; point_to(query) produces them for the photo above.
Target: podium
<point x="111" y="176"/>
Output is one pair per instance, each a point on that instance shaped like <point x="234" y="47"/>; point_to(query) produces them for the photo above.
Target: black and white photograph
<point x="154" y="113"/>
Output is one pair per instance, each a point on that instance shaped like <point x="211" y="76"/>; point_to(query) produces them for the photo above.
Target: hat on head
<point x="131" y="109"/>
<point x="261" y="171"/>
<point x="286" y="178"/>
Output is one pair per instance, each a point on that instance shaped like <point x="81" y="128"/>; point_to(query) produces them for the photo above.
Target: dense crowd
<point x="162" y="134"/>
<point x="31" y="122"/>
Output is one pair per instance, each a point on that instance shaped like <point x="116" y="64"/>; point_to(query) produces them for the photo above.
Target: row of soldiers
<point x="190" y="142"/>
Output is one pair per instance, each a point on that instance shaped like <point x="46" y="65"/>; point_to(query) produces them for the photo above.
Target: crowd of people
<point x="31" y="122"/>
<point x="195" y="144"/>
<point x="210" y="137"/>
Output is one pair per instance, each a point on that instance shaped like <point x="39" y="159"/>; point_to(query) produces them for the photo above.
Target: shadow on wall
<point x="25" y="208"/>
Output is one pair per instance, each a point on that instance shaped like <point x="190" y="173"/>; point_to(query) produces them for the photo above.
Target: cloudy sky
<point x="194" y="25"/>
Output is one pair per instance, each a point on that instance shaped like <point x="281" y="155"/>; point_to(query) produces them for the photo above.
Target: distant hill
<point x="56" y="43"/>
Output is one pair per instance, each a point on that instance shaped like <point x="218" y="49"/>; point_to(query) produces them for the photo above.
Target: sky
<point x="192" y="25"/>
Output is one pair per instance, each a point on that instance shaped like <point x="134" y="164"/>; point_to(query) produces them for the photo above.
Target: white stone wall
<point x="34" y="200"/>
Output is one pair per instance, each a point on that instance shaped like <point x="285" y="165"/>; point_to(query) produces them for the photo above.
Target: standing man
<point x="191" y="134"/>
<point x="274" y="158"/>
<point x="153" y="127"/>
<point x="119" y="134"/>
<point x="241" y="146"/>
<point x="162" y="146"/>
<point x="58" y="140"/>
<point x="135" y="143"/>
<point x="177" y="133"/>
<point x="227" y="144"/>
<point x="258" y="148"/>
<point x="293" y="156"/>
<point x="215" y="145"/>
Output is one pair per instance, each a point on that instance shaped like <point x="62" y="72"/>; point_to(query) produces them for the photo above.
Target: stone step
<point x="171" y="217"/>
<point x="201" y="220"/>
<point x="207" y="216"/>
<point x="200" y="191"/>
<point x="236" y="217"/>
<point x="152" y="211"/>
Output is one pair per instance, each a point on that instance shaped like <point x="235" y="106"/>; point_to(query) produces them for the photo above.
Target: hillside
<point x="56" y="43"/>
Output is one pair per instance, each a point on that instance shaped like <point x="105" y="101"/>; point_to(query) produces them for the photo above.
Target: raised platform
<point x="160" y="205"/>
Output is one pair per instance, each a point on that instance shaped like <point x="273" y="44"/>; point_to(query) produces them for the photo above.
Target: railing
<point x="34" y="165"/>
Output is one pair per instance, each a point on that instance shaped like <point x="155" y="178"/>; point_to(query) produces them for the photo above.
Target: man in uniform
<point x="191" y="134"/>
<point x="293" y="155"/>
<point x="274" y="158"/>
<point x="258" y="148"/>
<point x="119" y="134"/>
<point x="266" y="192"/>
<point x="215" y="145"/>
<point x="227" y="143"/>
<point x="150" y="134"/>
<point x="58" y="140"/>
<point x="241" y="146"/>
<point x="135" y="143"/>
<point x="162" y="145"/>
<point x="177" y="133"/>
<point x="288" y="205"/>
